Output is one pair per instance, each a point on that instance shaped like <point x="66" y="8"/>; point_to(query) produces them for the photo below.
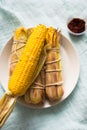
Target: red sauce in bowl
<point x="77" y="25"/>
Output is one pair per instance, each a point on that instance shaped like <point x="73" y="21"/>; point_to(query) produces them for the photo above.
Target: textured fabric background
<point x="71" y="114"/>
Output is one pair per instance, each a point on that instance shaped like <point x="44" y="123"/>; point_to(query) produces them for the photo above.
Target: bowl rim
<point x="77" y="34"/>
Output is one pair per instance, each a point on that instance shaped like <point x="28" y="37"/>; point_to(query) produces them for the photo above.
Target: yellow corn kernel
<point x="20" y="34"/>
<point x="22" y="76"/>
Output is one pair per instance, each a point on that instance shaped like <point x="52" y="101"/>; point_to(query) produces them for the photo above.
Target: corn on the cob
<point x="25" y="68"/>
<point x="25" y="71"/>
<point x="54" y="88"/>
<point x="35" y="94"/>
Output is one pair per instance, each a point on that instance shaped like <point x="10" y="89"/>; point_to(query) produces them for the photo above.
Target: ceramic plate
<point x="70" y="63"/>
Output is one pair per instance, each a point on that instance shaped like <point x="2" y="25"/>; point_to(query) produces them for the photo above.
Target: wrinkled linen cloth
<point x="71" y="114"/>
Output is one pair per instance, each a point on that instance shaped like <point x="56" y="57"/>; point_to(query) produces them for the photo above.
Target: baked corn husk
<point x="54" y="82"/>
<point x="36" y="94"/>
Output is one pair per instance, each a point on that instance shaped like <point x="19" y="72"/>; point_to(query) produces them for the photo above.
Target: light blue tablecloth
<point x="71" y="114"/>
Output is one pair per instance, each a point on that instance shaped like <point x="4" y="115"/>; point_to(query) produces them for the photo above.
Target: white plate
<point x="70" y="63"/>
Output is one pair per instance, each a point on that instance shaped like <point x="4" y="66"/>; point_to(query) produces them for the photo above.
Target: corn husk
<point x="54" y="81"/>
<point x="36" y="94"/>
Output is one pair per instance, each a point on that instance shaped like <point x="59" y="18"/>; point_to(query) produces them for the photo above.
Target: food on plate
<point x="48" y="81"/>
<point x="23" y="75"/>
<point x="25" y="71"/>
<point x="36" y="93"/>
<point x="35" y="69"/>
<point x="54" y="81"/>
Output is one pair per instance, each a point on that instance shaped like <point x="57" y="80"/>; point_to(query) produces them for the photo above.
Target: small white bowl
<point x="76" y="34"/>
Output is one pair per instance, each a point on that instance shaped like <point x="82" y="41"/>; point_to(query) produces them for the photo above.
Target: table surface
<point x="71" y="114"/>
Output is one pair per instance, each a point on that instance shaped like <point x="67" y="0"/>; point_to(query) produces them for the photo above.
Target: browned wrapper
<point x="36" y="94"/>
<point x="54" y="81"/>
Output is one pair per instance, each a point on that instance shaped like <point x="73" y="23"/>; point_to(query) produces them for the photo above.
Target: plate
<point x="70" y="63"/>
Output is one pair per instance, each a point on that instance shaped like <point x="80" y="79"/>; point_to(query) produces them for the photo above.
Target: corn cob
<point x="35" y="94"/>
<point x="54" y="83"/>
<point x="28" y="62"/>
<point x="25" y="71"/>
